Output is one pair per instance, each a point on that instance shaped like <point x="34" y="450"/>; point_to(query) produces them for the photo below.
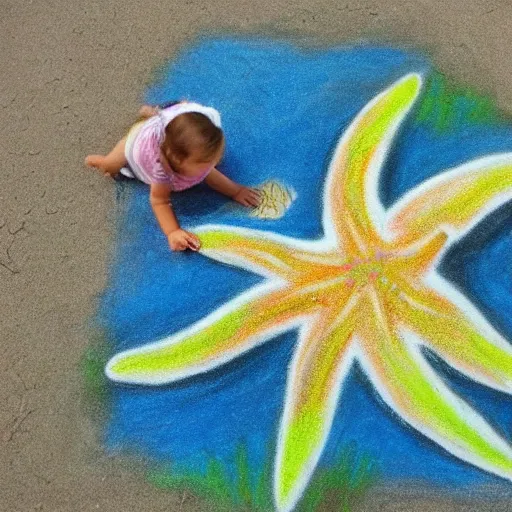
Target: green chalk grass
<point x="96" y="387"/>
<point x="445" y="106"/>
<point x="338" y="488"/>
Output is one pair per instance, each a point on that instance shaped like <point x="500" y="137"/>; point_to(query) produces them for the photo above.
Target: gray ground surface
<point x="71" y="77"/>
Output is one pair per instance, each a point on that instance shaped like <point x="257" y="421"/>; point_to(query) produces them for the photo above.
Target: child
<point x="171" y="150"/>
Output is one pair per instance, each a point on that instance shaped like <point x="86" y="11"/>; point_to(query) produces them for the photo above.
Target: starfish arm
<point x="453" y="201"/>
<point x="393" y="361"/>
<point x="264" y="252"/>
<point x="315" y="378"/>
<point x="456" y="331"/>
<point x="353" y="212"/>
<point x="236" y="327"/>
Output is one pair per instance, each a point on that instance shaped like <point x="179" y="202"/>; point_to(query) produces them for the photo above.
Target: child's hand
<point x="248" y="196"/>
<point x="180" y="240"/>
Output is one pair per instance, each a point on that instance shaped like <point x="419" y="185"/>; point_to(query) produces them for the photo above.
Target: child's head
<point x="192" y="144"/>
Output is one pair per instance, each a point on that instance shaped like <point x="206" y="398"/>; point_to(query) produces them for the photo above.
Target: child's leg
<point x="112" y="162"/>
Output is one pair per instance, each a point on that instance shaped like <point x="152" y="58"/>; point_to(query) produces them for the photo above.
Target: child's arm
<point x="178" y="239"/>
<point x="243" y="195"/>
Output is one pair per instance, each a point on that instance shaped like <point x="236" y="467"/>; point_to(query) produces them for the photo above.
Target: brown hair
<point x="193" y="133"/>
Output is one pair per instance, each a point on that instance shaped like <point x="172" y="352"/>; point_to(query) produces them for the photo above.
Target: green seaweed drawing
<point x="343" y="486"/>
<point x="338" y="488"/>
<point x="445" y="105"/>
<point x="96" y="388"/>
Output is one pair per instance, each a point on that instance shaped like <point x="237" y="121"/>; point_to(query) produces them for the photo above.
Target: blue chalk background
<point x="283" y="110"/>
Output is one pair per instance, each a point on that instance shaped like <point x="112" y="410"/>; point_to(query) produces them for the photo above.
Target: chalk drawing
<point x="276" y="198"/>
<point x="372" y="312"/>
<point x="369" y="291"/>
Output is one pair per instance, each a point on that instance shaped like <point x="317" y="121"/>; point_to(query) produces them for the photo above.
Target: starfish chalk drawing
<point x="367" y="291"/>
